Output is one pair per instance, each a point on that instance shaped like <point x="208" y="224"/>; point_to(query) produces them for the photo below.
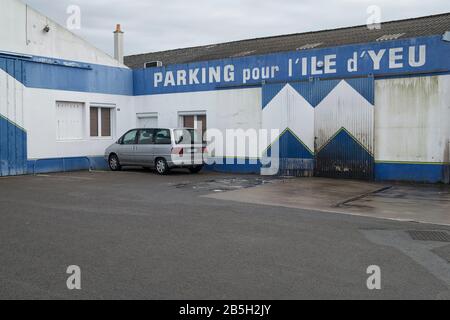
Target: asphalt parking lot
<point x="137" y="235"/>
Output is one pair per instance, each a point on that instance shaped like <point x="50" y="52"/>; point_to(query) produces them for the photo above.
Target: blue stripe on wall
<point x="144" y="79"/>
<point x="98" y="79"/>
<point x="69" y="76"/>
<point x="66" y="164"/>
<point x="429" y="173"/>
<point x="57" y="74"/>
<point x="234" y="165"/>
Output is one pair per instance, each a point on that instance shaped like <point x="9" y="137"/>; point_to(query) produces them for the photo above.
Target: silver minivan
<point x="162" y="149"/>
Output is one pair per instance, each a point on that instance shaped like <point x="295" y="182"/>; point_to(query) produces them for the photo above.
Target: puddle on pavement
<point x="226" y="184"/>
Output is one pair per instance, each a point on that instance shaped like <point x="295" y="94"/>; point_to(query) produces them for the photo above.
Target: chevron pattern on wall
<point x="316" y="111"/>
<point x="329" y="121"/>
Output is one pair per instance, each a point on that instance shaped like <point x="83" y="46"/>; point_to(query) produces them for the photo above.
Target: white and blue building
<point x="350" y="103"/>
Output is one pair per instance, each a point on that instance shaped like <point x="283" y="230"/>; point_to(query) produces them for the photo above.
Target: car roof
<point x="163" y="129"/>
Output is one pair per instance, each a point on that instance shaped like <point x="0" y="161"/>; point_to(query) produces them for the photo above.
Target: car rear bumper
<point x="185" y="163"/>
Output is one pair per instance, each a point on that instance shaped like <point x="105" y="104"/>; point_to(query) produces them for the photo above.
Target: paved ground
<point x="138" y="235"/>
<point x="402" y="202"/>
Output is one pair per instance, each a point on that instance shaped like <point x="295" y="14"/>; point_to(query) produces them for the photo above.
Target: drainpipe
<point x="118" y="44"/>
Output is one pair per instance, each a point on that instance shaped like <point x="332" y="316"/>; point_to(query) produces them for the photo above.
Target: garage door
<point x="326" y="126"/>
<point x="344" y="128"/>
<point x="147" y="121"/>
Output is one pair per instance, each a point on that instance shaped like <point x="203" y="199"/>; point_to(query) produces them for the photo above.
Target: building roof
<point x="401" y="29"/>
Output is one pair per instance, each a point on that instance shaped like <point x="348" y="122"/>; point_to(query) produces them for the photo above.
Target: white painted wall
<point x="35" y="110"/>
<point x="11" y="99"/>
<point x="344" y="107"/>
<point x="288" y="109"/>
<point x="225" y="109"/>
<point x="21" y="32"/>
<point x="40" y="123"/>
<point x="412" y="119"/>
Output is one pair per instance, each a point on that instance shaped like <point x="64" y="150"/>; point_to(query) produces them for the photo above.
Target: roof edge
<point x="288" y="35"/>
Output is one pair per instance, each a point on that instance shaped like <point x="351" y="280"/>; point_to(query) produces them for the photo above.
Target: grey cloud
<point x="158" y="25"/>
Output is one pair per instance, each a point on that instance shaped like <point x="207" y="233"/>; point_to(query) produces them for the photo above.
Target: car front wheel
<point x="114" y="163"/>
<point x="161" y="167"/>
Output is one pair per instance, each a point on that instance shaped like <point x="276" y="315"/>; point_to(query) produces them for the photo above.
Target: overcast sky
<point x="154" y="25"/>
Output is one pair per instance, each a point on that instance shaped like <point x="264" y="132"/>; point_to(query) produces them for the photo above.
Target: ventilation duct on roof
<point x="388" y="37"/>
<point x="243" y="54"/>
<point x="446" y="36"/>
<point x="310" y="46"/>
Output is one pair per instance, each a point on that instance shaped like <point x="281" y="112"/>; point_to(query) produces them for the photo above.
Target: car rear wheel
<point x="196" y="169"/>
<point x="161" y="166"/>
<point x="114" y="163"/>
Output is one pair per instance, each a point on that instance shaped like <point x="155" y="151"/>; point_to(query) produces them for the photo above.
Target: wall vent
<point x="153" y="64"/>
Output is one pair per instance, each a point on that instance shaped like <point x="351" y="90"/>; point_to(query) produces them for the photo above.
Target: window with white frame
<point x="69" y="120"/>
<point x="100" y="121"/>
<point x="194" y="120"/>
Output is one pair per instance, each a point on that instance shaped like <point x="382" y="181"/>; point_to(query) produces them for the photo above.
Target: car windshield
<point x="187" y="136"/>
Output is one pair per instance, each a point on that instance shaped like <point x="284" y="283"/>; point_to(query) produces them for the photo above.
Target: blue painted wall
<point x="339" y="61"/>
<point x="13" y="138"/>
<point x="427" y="173"/>
<point x="48" y="73"/>
<point x="55" y="74"/>
<point x="13" y="149"/>
<point x="66" y="164"/>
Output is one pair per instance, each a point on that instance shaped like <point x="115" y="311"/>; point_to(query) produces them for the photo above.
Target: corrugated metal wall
<point x="327" y="126"/>
<point x="13" y="138"/>
<point x="286" y="107"/>
<point x="344" y="129"/>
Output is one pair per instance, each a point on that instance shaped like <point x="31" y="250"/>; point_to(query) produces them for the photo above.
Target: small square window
<point x="101" y="122"/>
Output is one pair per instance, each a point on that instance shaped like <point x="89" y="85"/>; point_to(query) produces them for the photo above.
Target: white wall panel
<point x="40" y="123"/>
<point x="412" y="119"/>
<point x="225" y="109"/>
<point x="345" y="108"/>
<point x="11" y="99"/>
<point x="288" y="109"/>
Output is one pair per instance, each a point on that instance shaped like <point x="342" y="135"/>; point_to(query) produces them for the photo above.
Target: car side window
<point x="130" y="137"/>
<point x="146" y="137"/>
<point x="162" y="136"/>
